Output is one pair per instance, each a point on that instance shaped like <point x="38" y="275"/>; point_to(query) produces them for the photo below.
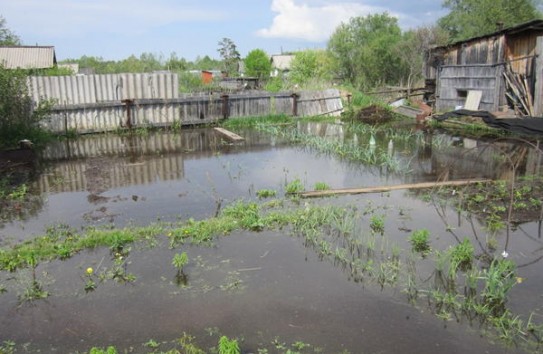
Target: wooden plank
<point x="229" y="135"/>
<point x="473" y="100"/>
<point x="538" y="74"/>
<point x="381" y="189"/>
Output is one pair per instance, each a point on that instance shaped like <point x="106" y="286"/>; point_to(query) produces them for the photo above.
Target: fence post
<point x="128" y="104"/>
<point x="225" y="110"/>
<point x="295" y="104"/>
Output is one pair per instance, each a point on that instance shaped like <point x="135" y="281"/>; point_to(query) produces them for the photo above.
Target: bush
<point x="18" y="117"/>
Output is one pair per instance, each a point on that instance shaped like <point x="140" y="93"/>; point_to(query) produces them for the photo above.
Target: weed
<point x="151" y="343"/>
<point x="420" y="241"/>
<point x="180" y="260"/>
<point x="321" y="186"/>
<point x="499" y="278"/>
<point x="228" y="346"/>
<point x="266" y="193"/>
<point x="462" y="255"/>
<point x="108" y="350"/>
<point x="294" y="187"/>
<point x="377" y="224"/>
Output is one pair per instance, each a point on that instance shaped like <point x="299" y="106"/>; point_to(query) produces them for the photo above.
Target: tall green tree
<point x="412" y="48"/>
<point x="7" y="37"/>
<point x="310" y="65"/>
<point x="257" y="64"/>
<point x="364" y="50"/>
<point x="471" y="18"/>
<point x="230" y="56"/>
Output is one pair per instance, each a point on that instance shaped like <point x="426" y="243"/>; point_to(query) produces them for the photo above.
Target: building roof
<point x="27" y="57"/>
<point x="533" y="25"/>
<point x="281" y="61"/>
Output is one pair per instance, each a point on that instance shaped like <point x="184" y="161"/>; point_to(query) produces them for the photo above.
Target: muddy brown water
<point x="255" y="286"/>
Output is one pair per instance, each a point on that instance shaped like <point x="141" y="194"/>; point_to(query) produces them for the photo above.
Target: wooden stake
<point x="382" y="189"/>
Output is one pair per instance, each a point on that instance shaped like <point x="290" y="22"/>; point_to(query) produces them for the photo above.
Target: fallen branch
<point x="381" y="189"/>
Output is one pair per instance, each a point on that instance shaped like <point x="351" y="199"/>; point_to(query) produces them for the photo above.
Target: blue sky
<point x="116" y="29"/>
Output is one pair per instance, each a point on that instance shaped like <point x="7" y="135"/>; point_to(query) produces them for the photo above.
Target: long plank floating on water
<point x="381" y="189"/>
<point x="228" y="134"/>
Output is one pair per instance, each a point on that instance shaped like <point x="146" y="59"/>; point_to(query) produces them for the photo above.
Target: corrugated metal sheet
<point x="90" y="89"/>
<point x="27" y="57"/>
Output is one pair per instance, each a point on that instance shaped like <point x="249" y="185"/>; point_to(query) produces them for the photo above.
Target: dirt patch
<point x="374" y="114"/>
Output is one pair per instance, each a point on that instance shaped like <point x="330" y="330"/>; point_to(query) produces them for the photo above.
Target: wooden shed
<point x="480" y="64"/>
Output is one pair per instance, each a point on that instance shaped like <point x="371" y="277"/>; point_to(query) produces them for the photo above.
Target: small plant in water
<point x="90" y="284"/>
<point x="294" y="187"/>
<point x="265" y="193"/>
<point x="377" y="224"/>
<point x="321" y="186"/>
<point x="228" y="346"/>
<point x="420" y="241"/>
<point x="180" y="260"/>
<point x="462" y="255"/>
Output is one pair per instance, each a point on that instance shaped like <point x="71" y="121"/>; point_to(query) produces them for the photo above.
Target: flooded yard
<point x="338" y="274"/>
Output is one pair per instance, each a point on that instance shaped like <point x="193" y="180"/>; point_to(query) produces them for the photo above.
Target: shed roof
<point x="27" y="57"/>
<point x="281" y="61"/>
<point x="533" y="25"/>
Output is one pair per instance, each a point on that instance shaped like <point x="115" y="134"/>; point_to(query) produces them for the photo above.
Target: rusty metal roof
<point x="27" y="57"/>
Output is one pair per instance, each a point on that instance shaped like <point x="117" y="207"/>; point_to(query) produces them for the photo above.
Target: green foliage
<point x="310" y="65"/>
<point x="499" y="278"/>
<point x="462" y="255"/>
<point x="190" y="82"/>
<point x="420" y="241"/>
<point x="274" y="84"/>
<point x="294" y="187"/>
<point x="266" y="193"/>
<point x="321" y="186"/>
<point x="377" y="224"/>
<point x="108" y="350"/>
<point x="230" y="56"/>
<point x="18" y="118"/>
<point x="228" y="346"/>
<point x="364" y="50"/>
<point x="257" y="64"/>
<point x="180" y="260"/>
<point x="472" y="18"/>
<point x="7" y="37"/>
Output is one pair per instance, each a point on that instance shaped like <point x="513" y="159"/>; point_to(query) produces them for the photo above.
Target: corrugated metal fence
<point x="96" y="103"/>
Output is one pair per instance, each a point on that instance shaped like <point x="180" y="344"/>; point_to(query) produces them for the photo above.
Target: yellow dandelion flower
<point x="90" y="271"/>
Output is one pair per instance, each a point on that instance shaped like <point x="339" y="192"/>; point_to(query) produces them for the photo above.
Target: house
<point x="487" y="65"/>
<point x="27" y="57"/>
<point x="281" y="63"/>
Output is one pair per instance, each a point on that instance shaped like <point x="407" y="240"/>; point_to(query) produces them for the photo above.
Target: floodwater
<point x="258" y="286"/>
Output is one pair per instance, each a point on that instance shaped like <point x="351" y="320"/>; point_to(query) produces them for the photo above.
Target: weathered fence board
<point x="98" y="103"/>
<point x="456" y="81"/>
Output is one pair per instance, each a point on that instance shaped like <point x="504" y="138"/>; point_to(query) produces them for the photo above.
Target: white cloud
<point x="312" y="23"/>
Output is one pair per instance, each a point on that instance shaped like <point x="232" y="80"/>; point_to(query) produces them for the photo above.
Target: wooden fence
<point x="99" y="103"/>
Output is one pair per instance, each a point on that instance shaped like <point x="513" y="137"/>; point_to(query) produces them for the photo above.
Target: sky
<point x="116" y="29"/>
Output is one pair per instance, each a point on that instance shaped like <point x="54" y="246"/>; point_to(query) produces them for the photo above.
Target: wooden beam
<point x="382" y="189"/>
<point x="538" y="74"/>
<point x="229" y="135"/>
